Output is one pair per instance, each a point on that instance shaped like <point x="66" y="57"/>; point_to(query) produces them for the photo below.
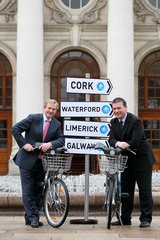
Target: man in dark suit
<point x="127" y="132"/>
<point x="29" y="159"/>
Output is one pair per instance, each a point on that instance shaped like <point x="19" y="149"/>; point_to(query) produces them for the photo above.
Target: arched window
<point x="74" y="63"/>
<point x="75" y="4"/>
<point x="155" y="3"/>
<point x="149" y="99"/>
<point x="5" y="83"/>
<point x="5" y="113"/>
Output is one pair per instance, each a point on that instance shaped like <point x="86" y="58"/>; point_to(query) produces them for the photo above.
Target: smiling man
<point x="127" y="131"/>
<point x="44" y="130"/>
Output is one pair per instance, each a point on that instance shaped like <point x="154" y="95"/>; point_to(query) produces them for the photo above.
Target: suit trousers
<point x="31" y="181"/>
<point x="143" y="178"/>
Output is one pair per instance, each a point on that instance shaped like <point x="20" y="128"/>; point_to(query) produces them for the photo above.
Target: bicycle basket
<point x="113" y="163"/>
<point x="57" y="162"/>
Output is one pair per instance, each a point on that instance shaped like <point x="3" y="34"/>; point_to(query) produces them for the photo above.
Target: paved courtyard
<point x="13" y="228"/>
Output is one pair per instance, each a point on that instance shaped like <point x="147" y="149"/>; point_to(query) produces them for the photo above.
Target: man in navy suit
<point x="29" y="159"/>
<point x="139" y="167"/>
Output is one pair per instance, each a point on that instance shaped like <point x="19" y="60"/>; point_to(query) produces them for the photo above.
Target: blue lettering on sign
<point x="100" y="86"/>
<point x="106" y="109"/>
<point x="103" y="129"/>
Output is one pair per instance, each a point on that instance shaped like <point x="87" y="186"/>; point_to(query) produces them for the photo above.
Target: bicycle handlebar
<point x="111" y="151"/>
<point x="57" y="150"/>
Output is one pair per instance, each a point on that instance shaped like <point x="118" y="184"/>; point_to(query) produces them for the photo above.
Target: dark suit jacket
<point x="32" y="126"/>
<point x="133" y="134"/>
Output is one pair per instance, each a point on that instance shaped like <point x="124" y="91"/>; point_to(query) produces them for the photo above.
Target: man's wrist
<point x="116" y="145"/>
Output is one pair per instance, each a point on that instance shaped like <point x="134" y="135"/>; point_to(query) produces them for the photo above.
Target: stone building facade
<point x="44" y="41"/>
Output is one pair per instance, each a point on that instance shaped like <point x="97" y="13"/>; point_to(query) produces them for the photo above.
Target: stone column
<point x="120" y="50"/>
<point x="29" y="85"/>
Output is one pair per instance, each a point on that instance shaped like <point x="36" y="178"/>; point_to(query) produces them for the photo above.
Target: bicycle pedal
<point x="125" y="195"/>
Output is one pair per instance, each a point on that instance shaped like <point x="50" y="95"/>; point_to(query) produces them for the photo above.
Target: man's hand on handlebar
<point x="122" y="145"/>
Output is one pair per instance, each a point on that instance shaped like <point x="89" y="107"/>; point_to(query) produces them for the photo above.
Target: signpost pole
<point x="86" y="197"/>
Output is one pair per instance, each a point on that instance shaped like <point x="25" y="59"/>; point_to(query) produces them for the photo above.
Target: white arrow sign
<point x="86" y="109"/>
<point x="86" y="129"/>
<point x="84" y="146"/>
<point x="88" y="85"/>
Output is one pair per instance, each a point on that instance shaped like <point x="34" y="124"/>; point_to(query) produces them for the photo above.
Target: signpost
<point x="86" y="128"/>
<point x="88" y="85"/>
<point x="86" y="109"/>
<point x="84" y="145"/>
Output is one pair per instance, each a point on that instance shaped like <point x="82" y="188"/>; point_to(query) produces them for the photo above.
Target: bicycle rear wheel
<point x="56" y="203"/>
<point x="110" y="206"/>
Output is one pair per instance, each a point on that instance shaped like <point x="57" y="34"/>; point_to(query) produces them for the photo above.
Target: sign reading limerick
<point x="88" y="85"/>
<point x="84" y="128"/>
<point x="86" y="109"/>
<point x="84" y="146"/>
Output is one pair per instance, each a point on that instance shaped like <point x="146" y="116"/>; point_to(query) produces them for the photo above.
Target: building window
<point x="75" y="4"/>
<point x="73" y="63"/>
<point x="155" y="3"/>
<point x="149" y="97"/>
<point x="149" y="82"/>
<point x="5" y="83"/>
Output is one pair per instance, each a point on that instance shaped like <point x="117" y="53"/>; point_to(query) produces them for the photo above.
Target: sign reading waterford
<point x="84" y="146"/>
<point x="84" y="128"/>
<point x="88" y="85"/>
<point x="86" y="109"/>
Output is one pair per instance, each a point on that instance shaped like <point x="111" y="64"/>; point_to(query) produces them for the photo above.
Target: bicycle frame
<point x="113" y="203"/>
<point x="55" y="193"/>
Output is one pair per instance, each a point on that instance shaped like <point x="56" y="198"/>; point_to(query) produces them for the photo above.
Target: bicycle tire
<point x="110" y="202"/>
<point x="56" y="203"/>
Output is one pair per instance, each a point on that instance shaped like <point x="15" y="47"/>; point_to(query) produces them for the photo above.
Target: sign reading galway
<point x="84" y="146"/>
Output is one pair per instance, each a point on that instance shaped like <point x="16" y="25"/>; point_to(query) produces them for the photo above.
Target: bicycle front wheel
<point x="56" y="203"/>
<point x="110" y="196"/>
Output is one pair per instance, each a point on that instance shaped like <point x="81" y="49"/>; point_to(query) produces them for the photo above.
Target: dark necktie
<point x="121" y="124"/>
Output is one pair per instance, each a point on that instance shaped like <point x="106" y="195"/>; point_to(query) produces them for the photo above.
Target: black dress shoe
<point x="144" y="224"/>
<point x="40" y="224"/>
<point x="118" y="223"/>
<point x="29" y="223"/>
<point x="34" y="224"/>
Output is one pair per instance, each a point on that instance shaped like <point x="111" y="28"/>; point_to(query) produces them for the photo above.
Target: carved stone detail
<point x="93" y="15"/>
<point x="57" y="14"/>
<point x="8" y="8"/>
<point x="142" y="9"/>
<point x="89" y="15"/>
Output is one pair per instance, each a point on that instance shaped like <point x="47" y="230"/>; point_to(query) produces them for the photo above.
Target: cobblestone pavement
<point x="12" y="228"/>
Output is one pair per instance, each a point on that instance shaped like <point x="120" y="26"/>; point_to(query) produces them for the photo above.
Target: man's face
<point x="119" y="110"/>
<point x="50" y="110"/>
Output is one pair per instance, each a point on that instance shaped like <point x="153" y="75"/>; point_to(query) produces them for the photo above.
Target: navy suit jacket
<point x="32" y="126"/>
<point x="133" y="133"/>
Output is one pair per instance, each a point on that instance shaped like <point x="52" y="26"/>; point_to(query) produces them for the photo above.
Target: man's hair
<point x="119" y="99"/>
<point x="51" y="101"/>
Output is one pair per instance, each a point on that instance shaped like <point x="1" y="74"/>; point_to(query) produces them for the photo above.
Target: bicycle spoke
<point x="56" y="203"/>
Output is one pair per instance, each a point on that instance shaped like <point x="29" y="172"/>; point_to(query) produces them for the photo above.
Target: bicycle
<point x="112" y="164"/>
<point x="55" y="193"/>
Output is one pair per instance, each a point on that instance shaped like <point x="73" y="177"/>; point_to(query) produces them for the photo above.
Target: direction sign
<point x="84" y="146"/>
<point x="88" y="85"/>
<point x="86" y="109"/>
<point x="84" y="128"/>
